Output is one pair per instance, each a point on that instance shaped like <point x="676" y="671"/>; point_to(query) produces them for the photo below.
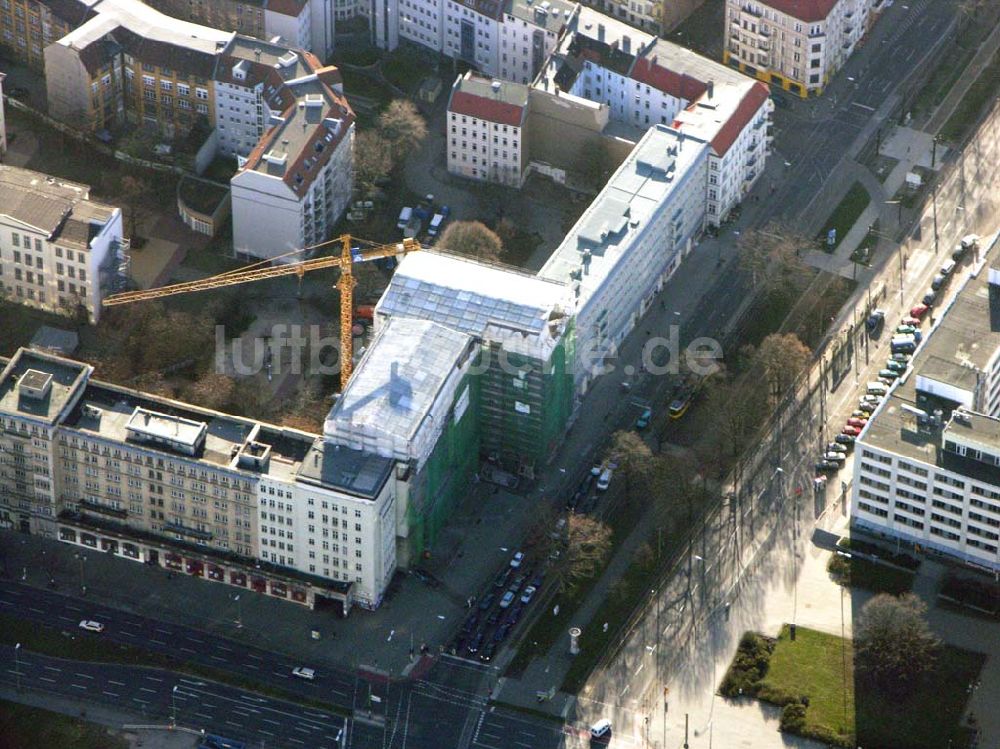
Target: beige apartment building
<point x="796" y="44"/>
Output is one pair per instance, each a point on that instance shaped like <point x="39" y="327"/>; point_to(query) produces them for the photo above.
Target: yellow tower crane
<point x="264" y="270"/>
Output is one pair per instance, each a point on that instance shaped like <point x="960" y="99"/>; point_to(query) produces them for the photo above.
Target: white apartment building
<point x="646" y="81"/>
<point x="59" y="250"/>
<point x="297" y="180"/>
<point x="529" y="32"/>
<point x="927" y="464"/>
<point x="230" y="500"/>
<point x="629" y="242"/>
<point x="486" y="130"/>
<point x="796" y="44"/>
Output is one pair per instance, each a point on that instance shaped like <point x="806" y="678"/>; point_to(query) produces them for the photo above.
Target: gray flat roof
<point x="961" y="344"/>
<point x="67" y="378"/>
<point x="354" y="472"/>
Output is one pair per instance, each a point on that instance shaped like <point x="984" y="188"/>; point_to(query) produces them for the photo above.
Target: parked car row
<point x="584" y="499"/>
<point x="412" y="220"/>
<point x="498" y="610"/>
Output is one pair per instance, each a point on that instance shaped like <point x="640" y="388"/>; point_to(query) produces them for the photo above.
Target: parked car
<point x="851" y="430"/>
<point x="515" y="614"/>
<point x="919" y="311"/>
<point x="602" y="728"/>
<point x="835" y="457"/>
<point x="888" y="374"/>
<point x="502" y="578"/>
<point x="304" y="673"/>
<point x="470" y="623"/>
<point x="836" y="447"/>
<point x="405" y="214"/>
<point x="527" y="594"/>
<point x="856" y="422"/>
<point x="537" y="580"/>
<point x="518" y="582"/>
<point x="901" y="357"/>
<point x="494" y="617"/>
<point x="827" y="466"/>
<point x="502" y="632"/>
<point x="875" y="321"/>
<point x="913" y="322"/>
<point x="486" y="602"/>
<point x="605" y="480"/>
<point x="896" y="366"/>
<point x="937" y="282"/>
<point x="844" y="439"/>
<point x="870" y="398"/>
<point x="475" y="643"/>
<point x="516" y="560"/>
<point x="929" y="297"/>
<point x="867" y="408"/>
<point x="91" y="626"/>
<point x="643" y="421"/>
<point x="508" y="599"/>
<point x="488" y="651"/>
<point x="906" y="330"/>
<point x="947" y="268"/>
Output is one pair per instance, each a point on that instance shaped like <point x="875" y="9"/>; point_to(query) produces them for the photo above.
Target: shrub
<point x="776" y="695"/>
<point x="793" y="717"/>
<point x="748" y="667"/>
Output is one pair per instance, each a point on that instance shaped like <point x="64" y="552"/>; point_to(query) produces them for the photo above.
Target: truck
<point x="405" y="216"/>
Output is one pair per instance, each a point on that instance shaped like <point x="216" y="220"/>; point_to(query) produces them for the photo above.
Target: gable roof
<point x="748" y="107"/>
<point x="678" y="85"/>
<point x="482" y="108"/>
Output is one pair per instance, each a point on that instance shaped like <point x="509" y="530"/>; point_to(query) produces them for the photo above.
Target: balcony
<point x="764" y="46"/>
<point x="88" y="506"/>
<point x="187" y="531"/>
<point x="751" y="161"/>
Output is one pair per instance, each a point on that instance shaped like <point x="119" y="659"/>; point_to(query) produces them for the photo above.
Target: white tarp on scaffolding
<point x="397" y="401"/>
<point x="477" y="298"/>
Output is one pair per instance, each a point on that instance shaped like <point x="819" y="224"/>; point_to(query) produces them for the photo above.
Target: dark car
<point x="515" y="613"/>
<point x="929" y="297"/>
<point x="537" y="580"/>
<point x="488" y="652"/>
<point x="573" y="501"/>
<point x="937" y="282"/>
<point x="827" y="466"/>
<point x="425" y="577"/>
<point x="844" y="439"/>
<point x="470" y="623"/>
<point x="501" y="580"/>
<point x="475" y="643"/>
<point x="501" y="632"/>
<point x="493" y="618"/>
<point x="486" y="602"/>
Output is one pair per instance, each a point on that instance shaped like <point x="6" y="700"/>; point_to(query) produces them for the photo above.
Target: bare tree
<point x="772" y="255"/>
<point x="783" y="358"/>
<point x="135" y="196"/>
<point x="372" y="160"/>
<point x="633" y="456"/>
<point x="212" y="390"/>
<point x="472" y="238"/>
<point x="739" y="408"/>
<point x="587" y="548"/>
<point x="894" y="646"/>
<point x="402" y="127"/>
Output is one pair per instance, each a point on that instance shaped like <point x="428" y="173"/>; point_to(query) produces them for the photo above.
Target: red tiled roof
<point x="679" y="85"/>
<point x="751" y="102"/>
<point x="804" y="10"/>
<point x="291" y="8"/>
<point x="483" y="108"/>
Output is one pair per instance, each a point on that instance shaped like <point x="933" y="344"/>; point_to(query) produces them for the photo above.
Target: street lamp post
<point x="17" y="665"/>
<point x="81" y="558"/>
<point x="173" y="706"/>
<point x="239" y="611"/>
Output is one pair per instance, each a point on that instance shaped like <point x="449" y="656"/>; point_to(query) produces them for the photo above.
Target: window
<point x="15" y="239"/>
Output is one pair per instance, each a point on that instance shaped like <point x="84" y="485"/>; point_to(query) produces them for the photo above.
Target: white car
<point x="507" y="600"/>
<point x="91" y="626"/>
<point x="304" y="673"/>
<point x="528" y="593"/>
<point x="601" y="729"/>
<point x="605" y="480"/>
<point x="516" y="561"/>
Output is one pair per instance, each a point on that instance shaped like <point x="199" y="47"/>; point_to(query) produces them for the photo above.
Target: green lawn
<point x="24" y="726"/>
<point x="967" y="113"/>
<point x="862" y="573"/>
<point x="814" y="665"/>
<point x="845" y="215"/>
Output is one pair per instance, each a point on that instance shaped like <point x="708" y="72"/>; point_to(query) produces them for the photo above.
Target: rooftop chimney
<point x="626" y="45"/>
<point x="711" y="89"/>
<point x="600" y="32"/>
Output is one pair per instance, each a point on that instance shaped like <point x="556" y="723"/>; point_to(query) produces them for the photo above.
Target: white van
<point x="404" y="217"/>
<point x="435" y="225"/>
<point x="605" y="480"/>
<point x="877" y="388"/>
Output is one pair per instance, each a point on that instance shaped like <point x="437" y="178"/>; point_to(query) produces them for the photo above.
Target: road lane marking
<point x="46" y="678"/>
<point x="144" y="689"/>
<point x="218" y="658"/>
<point x="77" y="686"/>
<point x="301" y="729"/>
<point x="187" y="650"/>
<point x="158" y="642"/>
<point x="110" y="694"/>
<point x="261" y="730"/>
<point x="292" y="738"/>
<point x="84" y="676"/>
<point x="255" y="657"/>
<point x="153" y="678"/>
<point x="136" y="699"/>
<point x="66" y="619"/>
<point x="37" y="611"/>
<point x="116" y="683"/>
<point x="202" y="715"/>
<point x="192" y="639"/>
<point x="283" y="676"/>
<point x="52" y="668"/>
<point x="268" y="720"/>
<point x="231" y="723"/>
<point x="128" y="634"/>
<point x="250" y="665"/>
<point x="220" y="647"/>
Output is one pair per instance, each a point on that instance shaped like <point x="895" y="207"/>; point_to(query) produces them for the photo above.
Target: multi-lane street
<point x="685" y="638"/>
